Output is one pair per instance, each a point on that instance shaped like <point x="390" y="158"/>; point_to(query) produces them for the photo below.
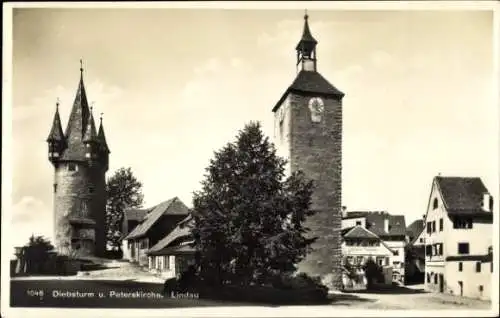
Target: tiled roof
<point x="56" y="132"/>
<point x="175" y="250"/>
<point x="102" y="138"/>
<point x="415" y="228"/>
<point x="359" y="214"/>
<point x="310" y="82"/>
<point x="376" y="224"/>
<point x="346" y="230"/>
<point x="306" y="35"/>
<point x="135" y="214"/>
<point x="183" y="229"/>
<point x="90" y="132"/>
<point x="461" y="194"/>
<point x="164" y="208"/>
<point x="77" y="125"/>
<point x="360" y="232"/>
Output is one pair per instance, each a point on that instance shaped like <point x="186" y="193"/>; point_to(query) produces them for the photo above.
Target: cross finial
<point x="81" y="66"/>
<point x="57" y="103"/>
<point x="101" y="117"/>
<point x="305" y="14"/>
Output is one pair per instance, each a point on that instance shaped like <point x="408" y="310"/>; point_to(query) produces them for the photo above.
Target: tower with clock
<point x="308" y="133"/>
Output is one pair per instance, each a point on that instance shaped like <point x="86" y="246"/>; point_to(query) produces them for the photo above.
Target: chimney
<point x="386" y="225"/>
<point x="487" y="203"/>
<point x="344" y="211"/>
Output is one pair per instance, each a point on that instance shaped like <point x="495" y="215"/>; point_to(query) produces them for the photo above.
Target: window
<point x="91" y="189"/>
<point x="396" y="253"/>
<point x="462" y="223"/>
<point x="360" y="260"/>
<point x="460" y="266"/>
<point x="439" y="249"/>
<point x="358" y="222"/>
<point x="166" y="263"/>
<point x="281" y="131"/>
<point x="387" y="261"/>
<point x="491" y="203"/>
<point x="478" y="267"/>
<point x="429" y="228"/>
<point x="463" y="248"/>
<point x="435" y="279"/>
<point x="428" y="277"/>
<point x="433" y="226"/>
<point x="481" y="288"/>
<point x="435" y="204"/>
<point x="55" y="187"/>
<point x="428" y="250"/>
<point x="71" y="167"/>
<point x="440" y="225"/>
<point x="421" y="240"/>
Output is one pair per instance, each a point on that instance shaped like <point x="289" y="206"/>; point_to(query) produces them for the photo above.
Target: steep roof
<point x="307" y="37"/>
<point x="461" y="194"/>
<point x="165" y="208"/>
<point x="135" y="214"/>
<point x="90" y="132"/>
<point x="376" y="224"/>
<point x="77" y="124"/>
<point x="176" y="250"/>
<point x="56" y="132"/>
<point x="310" y="82"/>
<point x="415" y="228"/>
<point x="102" y="138"/>
<point x="360" y="232"/>
<point x="183" y="229"/>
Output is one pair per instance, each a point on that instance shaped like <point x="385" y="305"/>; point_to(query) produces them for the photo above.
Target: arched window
<point x="435" y="204"/>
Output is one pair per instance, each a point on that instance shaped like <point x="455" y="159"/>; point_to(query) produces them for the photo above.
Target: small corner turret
<point x="90" y="140"/>
<point x="56" y="140"/>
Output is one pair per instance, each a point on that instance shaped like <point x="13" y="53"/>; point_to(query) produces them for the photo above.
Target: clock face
<point x="316" y="106"/>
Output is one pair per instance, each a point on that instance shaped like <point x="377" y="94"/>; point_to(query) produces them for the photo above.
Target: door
<point x="441" y="283"/>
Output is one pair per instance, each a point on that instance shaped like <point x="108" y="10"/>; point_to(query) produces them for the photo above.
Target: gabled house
<point x="131" y="218"/>
<point x="174" y="253"/>
<point x="158" y="222"/>
<point x="458" y="237"/>
<point x="390" y="229"/>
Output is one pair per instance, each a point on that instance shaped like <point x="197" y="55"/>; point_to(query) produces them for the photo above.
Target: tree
<point x="248" y="220"/>
<point x="373" y="272"/>
<point x="36" y="253"/>
<point x="123" y="191"/>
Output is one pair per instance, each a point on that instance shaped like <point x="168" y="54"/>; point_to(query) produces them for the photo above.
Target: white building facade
<point x="458" y="238"/>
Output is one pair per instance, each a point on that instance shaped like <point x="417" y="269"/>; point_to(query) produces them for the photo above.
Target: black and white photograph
<point x="250" y="159"/>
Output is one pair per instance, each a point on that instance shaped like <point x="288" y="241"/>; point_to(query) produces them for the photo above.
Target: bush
<point x="114" y="254"/>
<point x="299" y="281"/>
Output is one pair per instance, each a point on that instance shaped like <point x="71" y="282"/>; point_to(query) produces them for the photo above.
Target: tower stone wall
<point x="316" y="150"/>
<point x="79" y="199"/>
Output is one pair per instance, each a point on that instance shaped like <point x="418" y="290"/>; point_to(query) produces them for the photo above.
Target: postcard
<point x="250" y="158"/>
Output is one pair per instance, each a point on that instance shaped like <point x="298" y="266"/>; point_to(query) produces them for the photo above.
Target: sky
<point x="175" y="85"/>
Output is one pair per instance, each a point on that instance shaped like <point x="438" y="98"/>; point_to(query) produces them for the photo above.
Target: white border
<point x="311" y="311"/>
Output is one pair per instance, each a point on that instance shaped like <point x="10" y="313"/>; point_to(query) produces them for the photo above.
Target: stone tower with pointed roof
<point x="80" y="159"/>
<point x="308" y="133"/>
